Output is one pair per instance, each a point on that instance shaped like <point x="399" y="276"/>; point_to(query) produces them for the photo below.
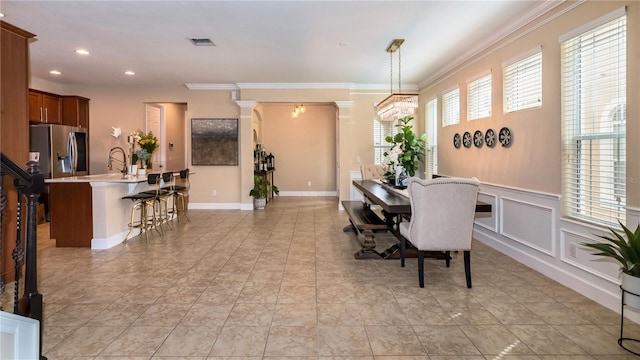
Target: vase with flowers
<point x="148" y="143"/>
<point x="406" y="154"/>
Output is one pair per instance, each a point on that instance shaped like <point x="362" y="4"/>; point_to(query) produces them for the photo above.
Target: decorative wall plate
<point x="457" y="140"/>
<point x="505" y="136"/>
<point x="466" y="139"/>
<point x="477" y="138"/>
<point x="490" y="138"/>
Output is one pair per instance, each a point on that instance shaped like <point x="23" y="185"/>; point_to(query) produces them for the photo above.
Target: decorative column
<point x="245" y="134"/>
<point x="343" y="151"/>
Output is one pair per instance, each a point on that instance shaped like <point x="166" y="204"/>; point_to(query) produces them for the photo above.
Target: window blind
<point x="382" y="129"/>
<point x="594" y="123"/>
<point x="431" y="116"/>
<point x="522" y="84"/>
<point x="451" y="107"/>
<point x="479" y="98"/>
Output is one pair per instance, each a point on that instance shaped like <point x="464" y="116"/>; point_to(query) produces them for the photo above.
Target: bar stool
<point x="161" y="198"/>
<point x="180" y="195"/>
<point x="142" y="202"/>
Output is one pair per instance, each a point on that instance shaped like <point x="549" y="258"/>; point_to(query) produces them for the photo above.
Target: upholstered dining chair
<point x="442" y="213"/>
<point x="372" y="171"/>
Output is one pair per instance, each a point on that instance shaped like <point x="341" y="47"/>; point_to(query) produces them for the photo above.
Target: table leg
<point x="368" y="247"/>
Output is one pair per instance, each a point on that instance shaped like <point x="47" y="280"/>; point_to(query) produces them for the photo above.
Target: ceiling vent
<point x="202" y="42"/>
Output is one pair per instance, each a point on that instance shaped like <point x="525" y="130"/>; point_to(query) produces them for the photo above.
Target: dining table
<point x="395" y="207"/>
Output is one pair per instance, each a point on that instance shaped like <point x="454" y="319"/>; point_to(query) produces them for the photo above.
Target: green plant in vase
<point x="261" y="190"/>
<point x="408" y="149"/>
<point x="140" y="155"/>
<point x="624" y="248"/>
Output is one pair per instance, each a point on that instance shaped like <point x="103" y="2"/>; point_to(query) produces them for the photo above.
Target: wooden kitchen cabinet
<point x="44" y="107"/>
<point x="71" y="214"/>
<point x="75" y="111"/>
<point x="14" y="129"/>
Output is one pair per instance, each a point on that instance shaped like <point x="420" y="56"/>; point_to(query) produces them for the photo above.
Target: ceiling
<point x="260" y="41"/>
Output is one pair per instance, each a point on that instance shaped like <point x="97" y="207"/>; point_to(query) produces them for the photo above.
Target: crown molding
<point x="385" y="87"/>
<point x="344" y="104"/>
<point x="196" y="86"/>
<point x="516" y="25"/>
<point x="245" y="103"/>
<point x="297" y="86"/>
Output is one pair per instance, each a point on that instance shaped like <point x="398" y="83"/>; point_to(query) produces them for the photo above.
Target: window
<point x="522" y="88"/>
<point x="479" y="98"/>
<point x="382" y="129"/>
<point x="451" y="107"/>
<point x="594" y="121"/>
<point x="431" y="116"/>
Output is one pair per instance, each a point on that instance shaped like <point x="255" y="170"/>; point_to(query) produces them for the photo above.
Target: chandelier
<point x="397" y="105"/>
<point x="297" y="110"/>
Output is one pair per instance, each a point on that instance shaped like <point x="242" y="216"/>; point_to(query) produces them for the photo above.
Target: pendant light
<point x="397" y="105"/>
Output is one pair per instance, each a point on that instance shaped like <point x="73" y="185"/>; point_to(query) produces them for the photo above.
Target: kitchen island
<point x="88" y="211"/>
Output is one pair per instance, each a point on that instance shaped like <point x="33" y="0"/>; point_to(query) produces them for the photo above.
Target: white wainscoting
<point x="536" y="232"/>
<point x="355" y="195"/>
<point x="527" y="226"/>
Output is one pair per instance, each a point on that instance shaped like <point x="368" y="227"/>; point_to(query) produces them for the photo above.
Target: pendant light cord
<point x="399" y="72"/>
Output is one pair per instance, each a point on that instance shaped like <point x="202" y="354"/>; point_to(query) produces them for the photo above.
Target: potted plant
<point x="143" y="156"/>
<point x="261" y="190"/>
<point x="624" y="247"/>
<point x="407" y="151"/>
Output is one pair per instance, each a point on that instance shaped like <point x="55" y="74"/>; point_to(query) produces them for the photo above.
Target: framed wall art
<point x="214" y="141"/>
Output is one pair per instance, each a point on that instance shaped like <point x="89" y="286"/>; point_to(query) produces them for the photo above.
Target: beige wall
<point x="533" y="160"/>
<point x="304" y="147"/>
<point x="124" y="106"/>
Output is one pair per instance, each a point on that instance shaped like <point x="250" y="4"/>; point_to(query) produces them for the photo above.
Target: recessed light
<point x="82" y="52"/>
<point x="1" y="15"/>
<point x="344" y="43"/>
<point x="129" y="72"/>
<point x="55" y="72"/>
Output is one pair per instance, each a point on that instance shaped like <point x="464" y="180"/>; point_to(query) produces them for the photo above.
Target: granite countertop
<point x="111" y="177"/>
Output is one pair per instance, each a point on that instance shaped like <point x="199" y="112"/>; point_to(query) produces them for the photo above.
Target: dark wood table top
<point x="393" y="202"/>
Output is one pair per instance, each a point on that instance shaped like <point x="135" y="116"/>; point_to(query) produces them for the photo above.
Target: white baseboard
<point x="308" y="193"/>
<point x="221" y="206"/>
<point x="113" y="240"/>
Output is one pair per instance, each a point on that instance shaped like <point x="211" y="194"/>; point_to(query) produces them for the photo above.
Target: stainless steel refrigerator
<point x="63" y="152"/>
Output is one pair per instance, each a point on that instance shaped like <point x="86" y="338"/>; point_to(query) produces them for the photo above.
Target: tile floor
<point x="282" y="283"/>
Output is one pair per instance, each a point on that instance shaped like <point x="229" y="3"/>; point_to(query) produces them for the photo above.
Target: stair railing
<point x="29" y="185"/>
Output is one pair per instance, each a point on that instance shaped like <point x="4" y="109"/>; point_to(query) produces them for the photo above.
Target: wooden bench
<point x="364" y="222"/>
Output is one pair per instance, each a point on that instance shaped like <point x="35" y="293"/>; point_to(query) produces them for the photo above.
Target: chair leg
<point x="143" y="220"/>
<point x="182" y="207"/>
<point x="174" y="197"/>
<point x="421" y="268"/>
<point x="403" y="249"/>
<point x="447" y="258"/>
<point x="157" y="217"/>
<point x="467" y="267"/>
<point x="131" y="222"/>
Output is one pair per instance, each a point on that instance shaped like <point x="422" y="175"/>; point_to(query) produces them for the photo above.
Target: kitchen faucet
<point x="123" y="162"/>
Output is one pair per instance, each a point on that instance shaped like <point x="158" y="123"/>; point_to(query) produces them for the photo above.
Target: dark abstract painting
<point x="214" y="141"/>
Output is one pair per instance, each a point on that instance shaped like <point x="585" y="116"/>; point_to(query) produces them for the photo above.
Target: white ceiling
<point x="259" y="41"/>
